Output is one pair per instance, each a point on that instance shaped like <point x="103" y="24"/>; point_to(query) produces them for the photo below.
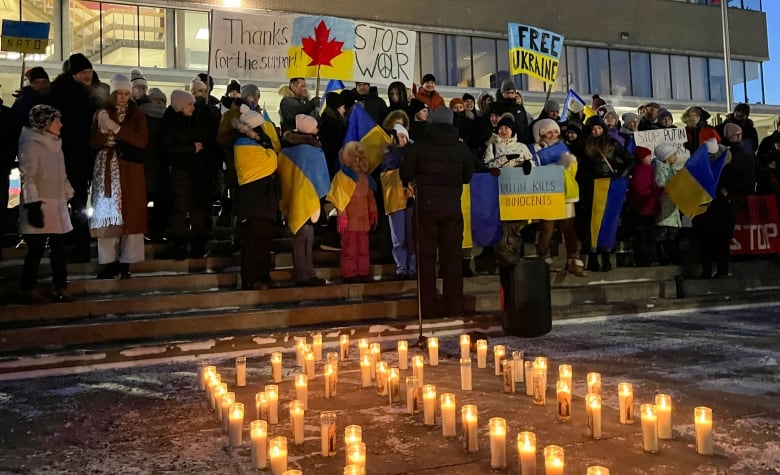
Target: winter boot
<point x="124" y="270"/>
<point x="109" y="271"/>
<point x="593" y="262"/>
<point x="606" y="264"/>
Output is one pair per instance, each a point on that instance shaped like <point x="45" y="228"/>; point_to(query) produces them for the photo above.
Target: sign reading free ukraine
<point x="29" y="37"/>
<point x="282" y="46"/>
<point x="534" y="51"/>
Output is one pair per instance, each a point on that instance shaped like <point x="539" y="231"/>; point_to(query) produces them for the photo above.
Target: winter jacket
<point x="374" y="105"/>
<point x="301" y="207"/>
<point x="440" y="164"/>
<point x="644" y="194"/>
<point x="10" y="129"/>
<point x="498" y="151"/>
<point x="132" y="178"/>
<point x="402" y="104"/>
<point x="27" y="99"/>
<point x="522" y="121"/>
<point x="43" y="178"/>
<point x="700" y="134"/>
<point x="743" y="168"/>
<point x="291" y="106"/>
<point x="333" y="128"/>
<point x="570" y="166"/>
<point x="749" y="132"/>
<point x="767" y="144"/>
<point x="432" y="99"/>
<point x="361" y="206"/>
<point x="179" y="139"/>
<point x="258" y="186"/>
<point x="668" y="214"/>
<point x="154" y="113"/>
<point x="417" y="129"/>
<point x="393" y="190"/>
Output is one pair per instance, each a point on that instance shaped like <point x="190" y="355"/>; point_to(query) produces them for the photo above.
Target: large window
<point x="192" y="40"/>
<point x="738" y="81"/>
<point x="433" y="56"/>
<point x="717" y="80"/>
<point x="641" y="78"/>
<point x="483" y="57"/>
<point x="459" y="61"/>
<point x="502" y="54"/>
<point x="598" y="65"/>
<point x="755" y="82"/>
<point x="577" y="68"/>
<point x="662" y="87"/>
<point x="620" y="68"/>
<point x="681" y="78"/>
<point x="700" y="79"/>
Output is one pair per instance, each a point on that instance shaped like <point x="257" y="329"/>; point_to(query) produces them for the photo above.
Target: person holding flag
<point x="399" y="206"/>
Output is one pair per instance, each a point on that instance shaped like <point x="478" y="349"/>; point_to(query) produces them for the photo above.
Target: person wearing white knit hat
<point x="140" y="86"/>
<point x="118" y="220"/>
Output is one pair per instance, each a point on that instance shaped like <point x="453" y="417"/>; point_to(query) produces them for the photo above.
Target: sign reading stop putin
<point x="30" y="37"/>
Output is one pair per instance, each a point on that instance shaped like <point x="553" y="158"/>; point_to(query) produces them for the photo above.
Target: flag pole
<point x="724" y="15"/>
<point x="422" y="341"/>
<point x="21" y="79"/>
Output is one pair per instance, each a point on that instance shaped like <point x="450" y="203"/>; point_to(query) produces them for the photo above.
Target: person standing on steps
<point x="43" y="214"/>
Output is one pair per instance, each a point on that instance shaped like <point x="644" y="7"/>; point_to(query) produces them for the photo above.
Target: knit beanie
<point x="742" y="107"/>
<point x="574" y="126"/>
<point x="552" y="106"/>
<point x="233" y="86"/>
<point x="249" y="91"/>
<point x="455" y="101"/>
<point x="416" y="105"/>
<point x="207" y="80"/>
<point x="120" y="82"/>
<point x="156" y="93"/>
<point x="629" y="116"/>
<point x="613" y="114"/>
<point x="428" y="77"/>
<point x="543" y="126"/>
<point x="179" y="99"/>
<point x="506" y="122"/>
<point x="640" y="153"/>
<point x="36" y="73"/>
<point x="468" y="97"/>
<point x="442" y="115"/>
<point x="334" y="100"/>
<point x="508" y="85"/>
<point x="665" y="113"/>
<point x="251" y="118"/>
<point x="306" y="124"/>
<point x="730" y="130"/>
<point x="42" y="115"/>
<point x="401" y="130"/>
<point x="197" y="85"/>
<point x="137" y="78"/>
<point x="664" y="151"/>
<point x="77" y="62"/>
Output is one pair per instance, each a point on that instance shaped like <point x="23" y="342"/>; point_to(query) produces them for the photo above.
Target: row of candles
<point x="656" y="418"/>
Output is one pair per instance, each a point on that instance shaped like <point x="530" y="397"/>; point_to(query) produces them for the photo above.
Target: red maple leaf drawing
<point x="321" y="49"/>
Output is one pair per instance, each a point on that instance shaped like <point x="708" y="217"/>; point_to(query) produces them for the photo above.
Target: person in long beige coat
<point x="119" y="134"/>
<point x="43" y="214"/>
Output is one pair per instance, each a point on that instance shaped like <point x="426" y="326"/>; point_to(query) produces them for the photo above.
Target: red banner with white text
<point x="756" y="227"/>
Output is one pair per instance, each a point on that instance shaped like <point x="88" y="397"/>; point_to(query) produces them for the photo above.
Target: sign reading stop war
<point x="277" y="47"/>
<point x="539" y="195"/>
<point x="534" y="51"/>
<point x="25" y="36"/>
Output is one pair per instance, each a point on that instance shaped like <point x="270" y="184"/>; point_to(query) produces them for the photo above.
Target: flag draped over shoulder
<point x="343" y="187"/>
<point x="362" y="128"/>
<point x="303" y="173"/>
<point x="609" y="194"/>
<point x="479" y="204"/>
<point x="693" y="188"/>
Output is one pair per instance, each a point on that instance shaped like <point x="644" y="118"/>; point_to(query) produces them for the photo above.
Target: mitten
<point x="34" y="214"/>
<point x="527" y="166"/>
<point x="106" y="124"/>
<point x="342" y="224"/>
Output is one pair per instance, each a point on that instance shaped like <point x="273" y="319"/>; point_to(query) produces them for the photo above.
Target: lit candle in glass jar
<point x="526" y="450"/>
<point x="300" y="349"/>
<point x="705" y="444"/>
<point x="356" y="454"/>
<point x="412" y="395"/>
<point x="228" y="399"/>
<point x="354" y="470"/>
<point x="465" y="346"/>
<point x="433" y="351"/>
<point x="429" y="404"/>
<point x="316" y="346"/>
<point x="328" y="433"/>
<point x="365" y="371"/>
<point x="240" y="371"/>
<point x="333" y="359"/>
<point x="205" y="373"/>
<point x="302" y="389"/>
<point x="353" y="434"/>
<point x="499" y="351"/>
<point x="277" y="452"/>
<point x="418" y="368"/>
<point x="508" y="368"/>
<point x="597" y="470"/>
<point x="236" y="424"/>
<point x="362" y="348"/>
<point x="344" y="347"/>
<point x="381" y="377"/>
<point x="308" y="357"/>
<point x="529" y="377"/>
<point x="626" y="403"/>
<point x="258" y="432"/>
<point x="272" y="393"/>
<point x="448" y="415"/>
<point x="329" y="376"/>
<point x="518" y="368"/>
<point x="263" y="408"/>
<point x="403" y="352"/>
<point x="276" y="367"/>
<point x="649" y="428"/>
<point x="497" y="442"/>
<point x="375" y="350"/>
<point x="296" y="420"/>
<point x="663" y="409"/>
<point x="594" y="383"/>
<point x="553" y="460"/>
<point x="465" y="374"/>
<point x="540" y="380"/>
<point x="216" y="404"/>
<point x="292" y="472"/>
<point x="593" y="411"/>
<point x="563" y="393"/>
<point x="565" y="374"/>
<point x="482" y="346"/>
<point x="393" y="385"/>
<point x="469" y="420"/>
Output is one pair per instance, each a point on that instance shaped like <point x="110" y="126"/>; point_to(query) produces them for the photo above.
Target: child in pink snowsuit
<point x="359" y="216"/>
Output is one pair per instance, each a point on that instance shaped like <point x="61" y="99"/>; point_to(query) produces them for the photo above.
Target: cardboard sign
<point x="650" y="139"/>
<point x="277" y="47"/>
<point x="534" y="51"/>
<point x="756" y="228"/>
<point x="539" y="195"/>
<point x="28" y="37"/>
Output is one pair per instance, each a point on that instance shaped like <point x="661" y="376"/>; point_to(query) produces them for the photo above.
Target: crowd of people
<point x="113" y="148"/>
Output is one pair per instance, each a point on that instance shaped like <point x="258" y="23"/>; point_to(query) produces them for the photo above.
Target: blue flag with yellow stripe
<point x="479" y="204"/>
<point x="362" y="128"/>
<point x="343" y="185"/>
<point x="609" y="194"/>
<point x="303" y="173"/>
<point x="693" y="188"/>
<point x="334" y="85"/>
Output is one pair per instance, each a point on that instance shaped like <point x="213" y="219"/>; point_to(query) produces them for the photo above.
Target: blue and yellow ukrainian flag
<point x="303" y="173"/>
<point x="693" y="188"/>
<point x="479" y="204"/>
<point x="253" y="161"/>
<point x="362" y="128"/>
<point x="343" y="187"/>
<point x="609" y="194"/>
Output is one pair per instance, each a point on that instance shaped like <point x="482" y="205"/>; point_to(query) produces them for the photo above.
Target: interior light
<point x="202" y="34"/>
<point x="231" y="3"/>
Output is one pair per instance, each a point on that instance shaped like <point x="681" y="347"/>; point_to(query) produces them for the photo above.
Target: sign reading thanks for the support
<point x="30" y="37"/>
<point x="650" y="139"/>
<point x="539" y="195"/>
<point x="282" y="46"/>
<point x="534" y="51"/>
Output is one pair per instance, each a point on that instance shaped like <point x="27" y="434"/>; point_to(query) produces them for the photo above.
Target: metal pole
<point x="724" y="14"/>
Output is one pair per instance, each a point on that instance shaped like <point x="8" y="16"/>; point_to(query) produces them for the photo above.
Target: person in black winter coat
<point x="368" y="96"/>
<point x="9" y="137"/>
<point x="73" y="93"/>
<point x="507" y="101"/>
<point x="398" y="98"/>
<point x="32" y="94"/>
<point x="418" y="113"/>
<point x="333" y="128"/>
<point x="439" y="164"/>
<point x="740" y="117"/>
<point x="767" y="144"/>
<point x="157" y="175"/>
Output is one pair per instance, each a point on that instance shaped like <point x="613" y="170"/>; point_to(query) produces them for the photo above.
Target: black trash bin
<point x="525" y="298"/>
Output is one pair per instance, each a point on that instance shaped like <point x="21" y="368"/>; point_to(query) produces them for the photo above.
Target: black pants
<point x="79" y="218"/>
<point x="715" y="229"/>
<point x="443" y="232"/>
<point x="36" y="245"/>
<point x="256" y="236"/>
